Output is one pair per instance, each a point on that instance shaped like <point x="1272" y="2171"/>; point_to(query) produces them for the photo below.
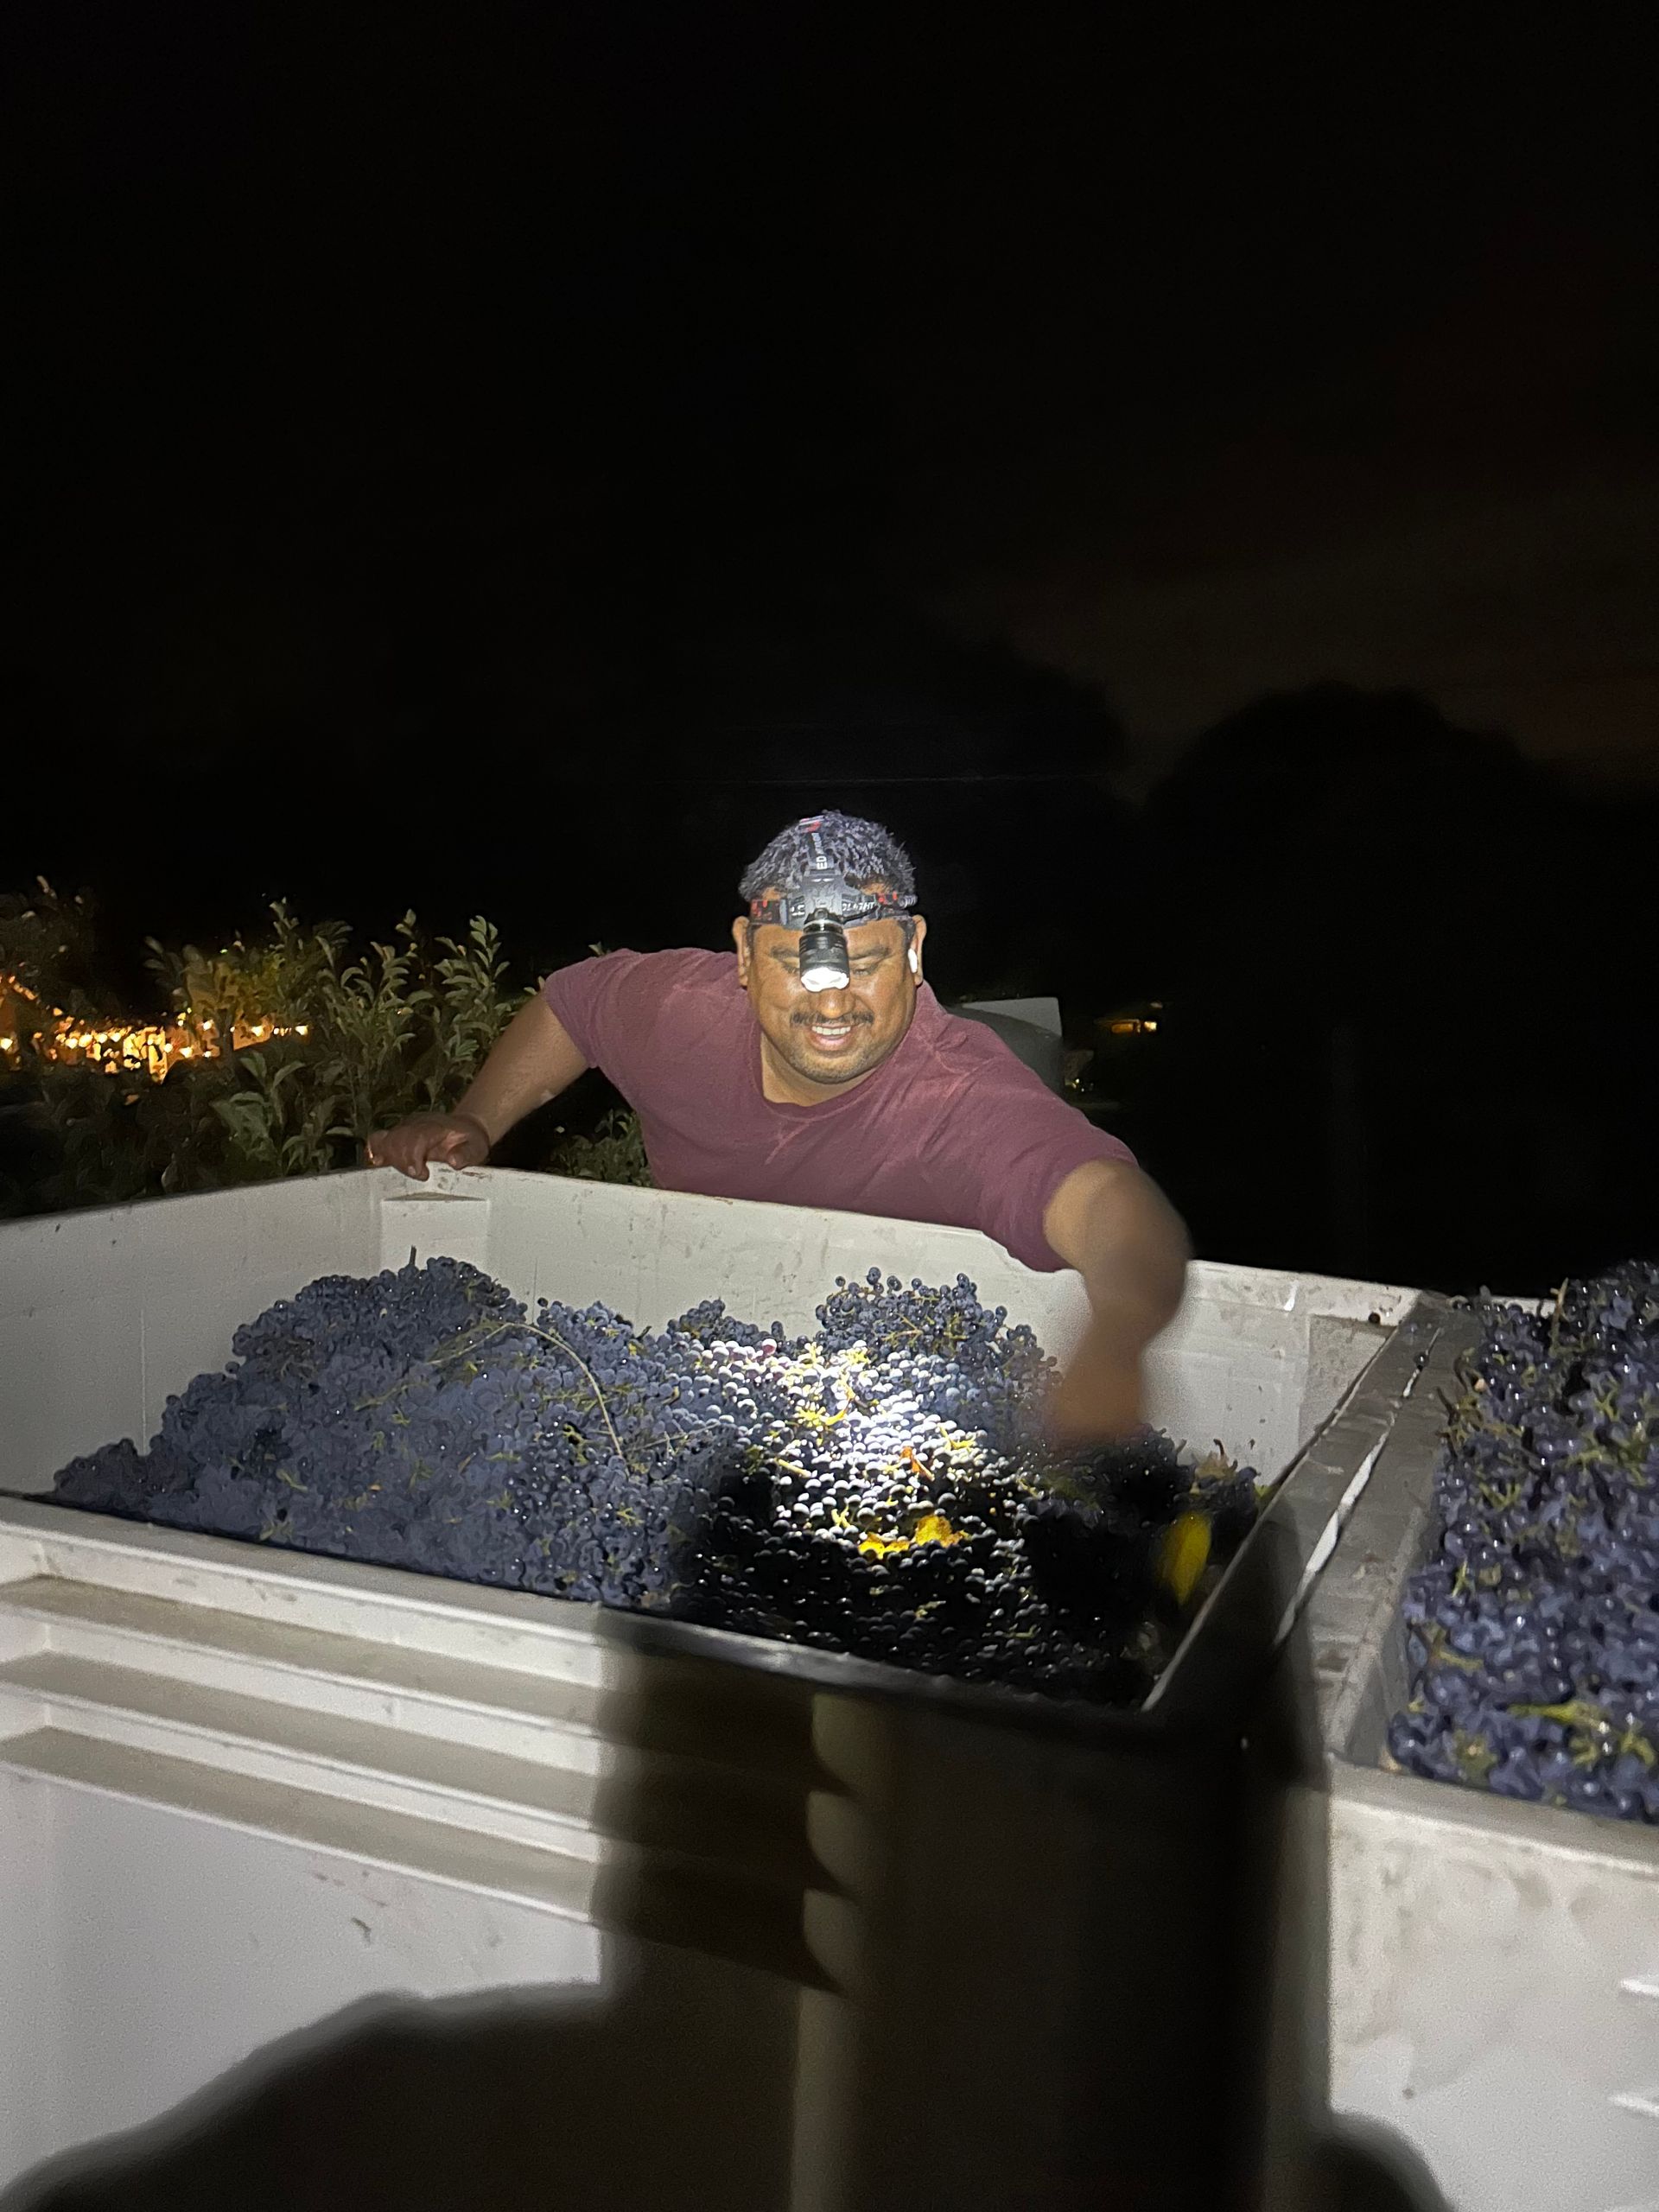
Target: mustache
<point x="807" y="1021"/>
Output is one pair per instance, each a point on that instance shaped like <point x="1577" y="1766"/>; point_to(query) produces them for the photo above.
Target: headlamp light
<point x="824" y="962"/>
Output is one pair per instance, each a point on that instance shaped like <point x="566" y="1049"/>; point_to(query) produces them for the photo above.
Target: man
<point x="837" y="1080"/>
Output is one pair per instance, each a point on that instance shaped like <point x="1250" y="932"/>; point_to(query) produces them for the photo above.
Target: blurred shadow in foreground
<point x="961" y="1952"/>
<point x="507" y="2099"/>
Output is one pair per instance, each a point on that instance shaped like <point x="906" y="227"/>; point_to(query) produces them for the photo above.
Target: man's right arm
<point x="533" y="1060"/>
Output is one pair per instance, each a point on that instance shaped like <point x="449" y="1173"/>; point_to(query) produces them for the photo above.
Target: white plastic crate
<point x="1493" y="1965"/>
<point x="241" y="1786"/>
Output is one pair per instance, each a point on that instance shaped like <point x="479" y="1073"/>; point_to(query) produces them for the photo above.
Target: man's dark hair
<point x="865" y="853"/>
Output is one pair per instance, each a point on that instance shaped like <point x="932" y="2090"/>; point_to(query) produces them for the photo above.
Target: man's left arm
<point x="1112" y="1224"/>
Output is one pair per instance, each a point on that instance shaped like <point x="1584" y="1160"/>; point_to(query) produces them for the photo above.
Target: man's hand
<point x="534" y="1058"/>
<point x="453" y="1140"/>
<point x="1101" y="1398"/>
<point x="1110" y="1222"/>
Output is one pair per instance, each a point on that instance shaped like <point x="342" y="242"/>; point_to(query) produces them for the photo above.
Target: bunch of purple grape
<point x="1533" y="1629"/>
<point x="875" y="1488"/>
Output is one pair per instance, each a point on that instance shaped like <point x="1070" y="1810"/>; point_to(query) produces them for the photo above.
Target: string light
<point x="152" y="1045"/>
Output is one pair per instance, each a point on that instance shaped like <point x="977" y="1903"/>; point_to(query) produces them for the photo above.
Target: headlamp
<point x="824" y="962"/>
<point x="820" y="903"/>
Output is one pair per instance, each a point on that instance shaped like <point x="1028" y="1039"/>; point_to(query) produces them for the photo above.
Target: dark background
<point x="1199" y="488"/>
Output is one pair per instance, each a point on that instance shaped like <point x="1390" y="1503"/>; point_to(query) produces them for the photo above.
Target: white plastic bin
<point x="242" y="1787"/>
<point x="1494" y="1966"/>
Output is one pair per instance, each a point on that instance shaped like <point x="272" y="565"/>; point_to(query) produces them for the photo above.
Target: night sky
<point x="429" y="361"/>
<point x="1330" y="356"/>
<point x="505" y="458"/>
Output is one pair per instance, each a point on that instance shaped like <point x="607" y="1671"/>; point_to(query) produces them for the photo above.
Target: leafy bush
<point x="47" y="959"/>
<point x="401" y="1030"/>
<point x="362" y="1039"/>
<point x="615" y="1152"/>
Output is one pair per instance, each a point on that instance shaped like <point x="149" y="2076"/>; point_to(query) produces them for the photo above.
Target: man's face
<point x="832" y="1037"/>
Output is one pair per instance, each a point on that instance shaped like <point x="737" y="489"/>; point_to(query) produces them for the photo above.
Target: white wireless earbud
<point x="915" y="965"/>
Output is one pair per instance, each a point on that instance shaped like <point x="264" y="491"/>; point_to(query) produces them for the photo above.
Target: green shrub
<point x="47" y="959"/>
<point x="401" y="1030"/>
<point x="396" y="1029"/>
<point x="615" y="1152"/>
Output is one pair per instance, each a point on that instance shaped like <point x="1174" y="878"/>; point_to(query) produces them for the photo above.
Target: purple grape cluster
<point x="1532" y="1628"/>
<point x="953" y="1354"/>
<point x="876" y="1488"/>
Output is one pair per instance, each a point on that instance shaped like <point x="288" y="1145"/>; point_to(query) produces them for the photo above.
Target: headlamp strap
<point x="824" y="890"/>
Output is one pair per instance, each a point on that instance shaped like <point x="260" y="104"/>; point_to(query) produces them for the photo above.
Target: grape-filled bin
<point x="1494" y="1964"/>
<point x="933" y="1929"/>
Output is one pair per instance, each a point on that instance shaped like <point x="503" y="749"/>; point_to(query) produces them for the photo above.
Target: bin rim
<point x="836" y="1673"/>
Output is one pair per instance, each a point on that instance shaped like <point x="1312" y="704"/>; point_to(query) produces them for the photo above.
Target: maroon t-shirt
<point x="950" y="1127"/>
